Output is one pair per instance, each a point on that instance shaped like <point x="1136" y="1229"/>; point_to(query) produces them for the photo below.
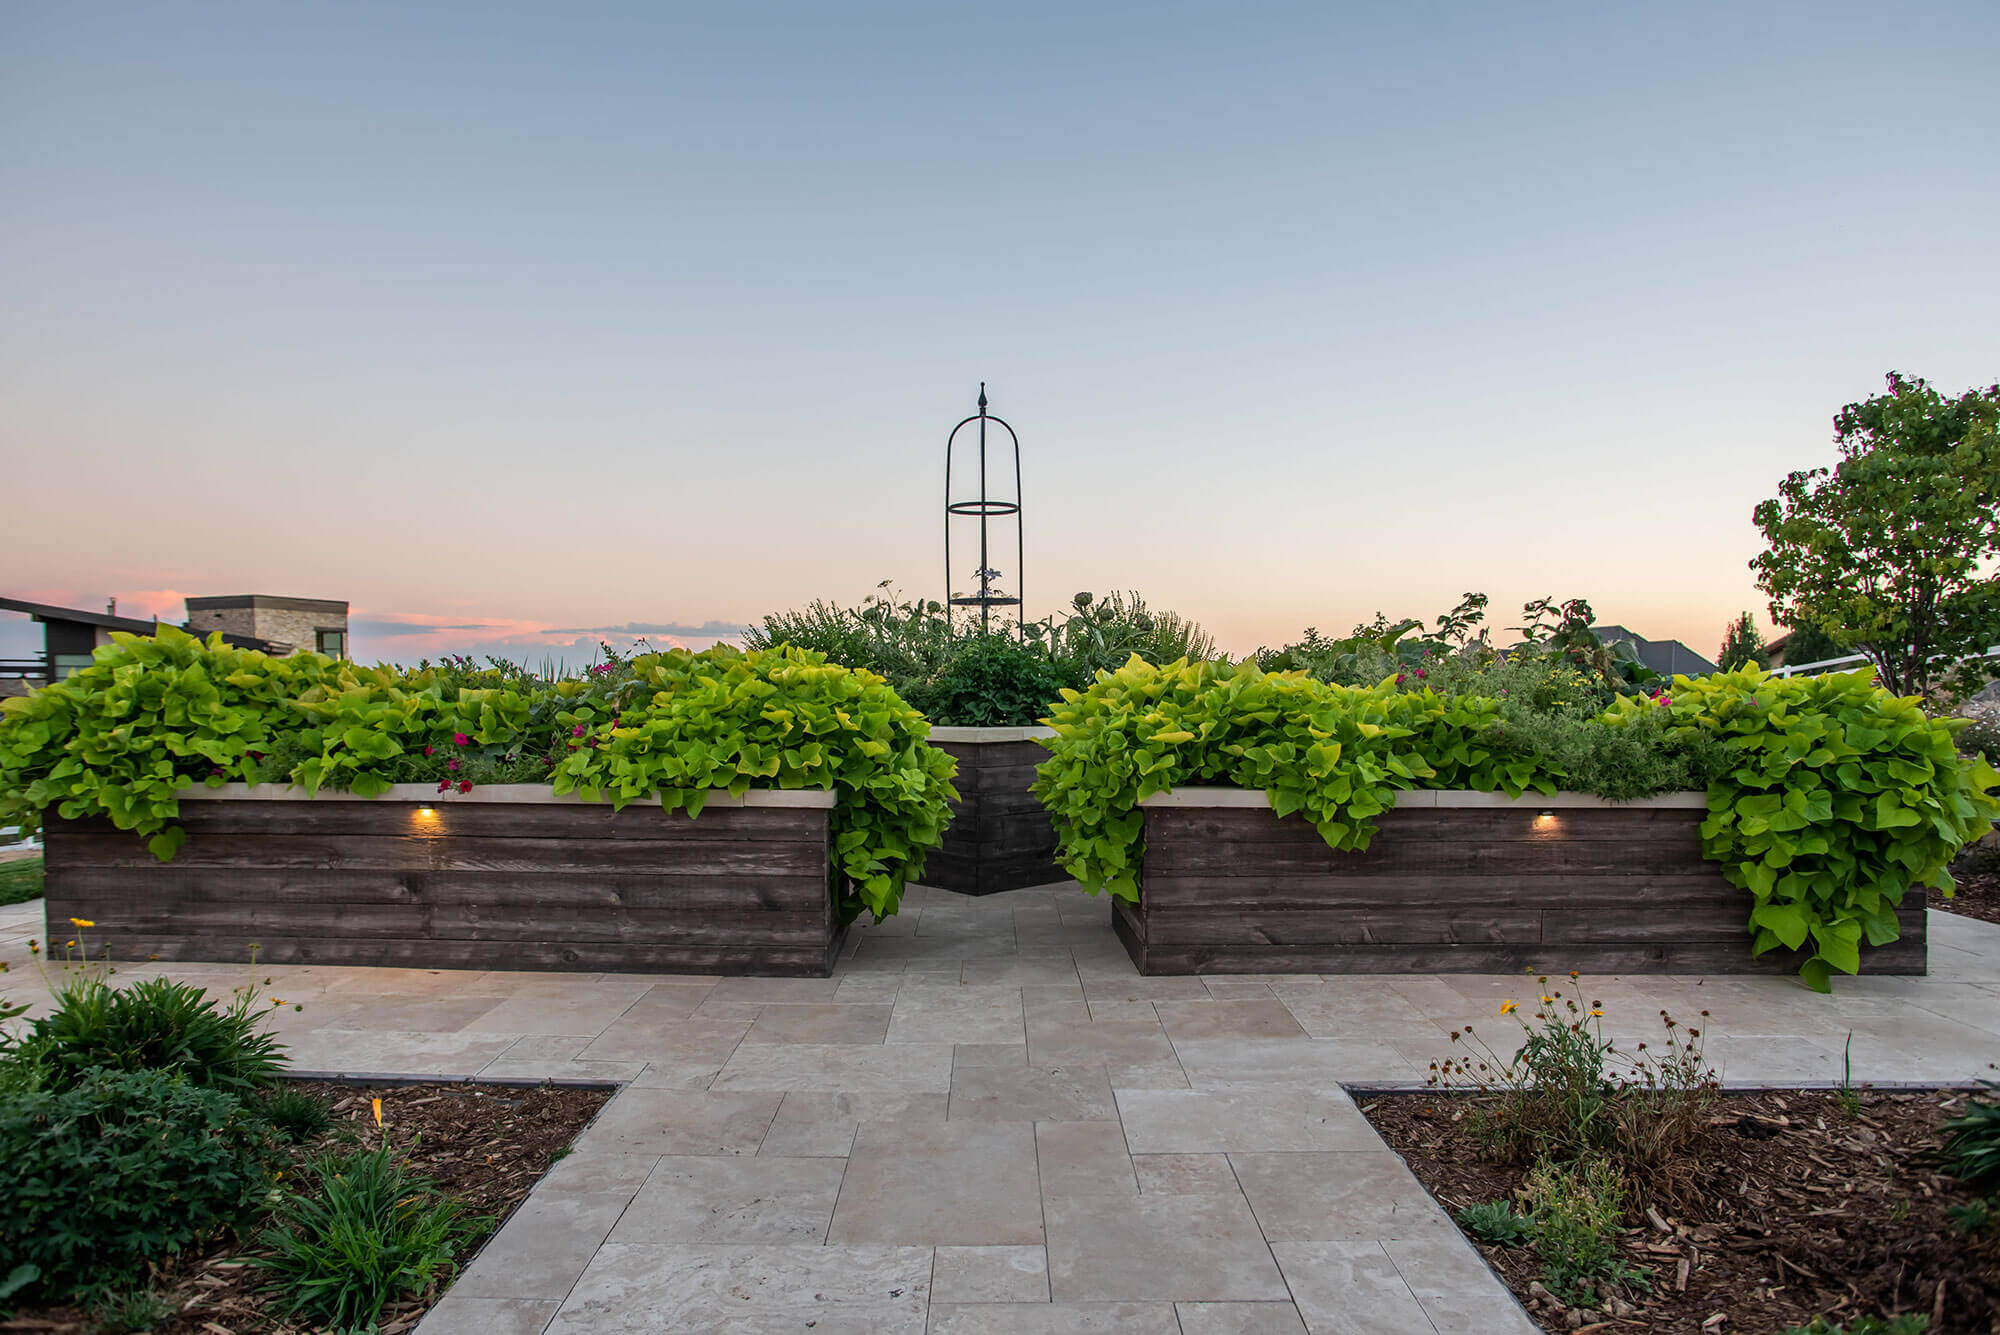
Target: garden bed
<point x="1454" y="882"/>
<point x="1797" y="1207"/>
<point x="1977" y="872"/>
<point x="483" y="1145"/>
<point x="508" y="876"/>
<point x="1000" y="837"/>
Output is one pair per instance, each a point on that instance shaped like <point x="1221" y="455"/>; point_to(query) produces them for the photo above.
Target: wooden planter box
<point x="1455" y="882"/>
<point x="1000" y="837"/>
<point x="507" y="876"/>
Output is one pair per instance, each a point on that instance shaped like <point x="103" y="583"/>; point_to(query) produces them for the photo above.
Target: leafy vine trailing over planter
<point x="1336" y="754"/>
<point x="1840" y="799"/>
<point x="1832" y="800"/>
<point x="155" y="716"/>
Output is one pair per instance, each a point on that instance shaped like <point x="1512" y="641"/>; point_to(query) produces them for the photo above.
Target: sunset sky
<point x="525" y="326"/>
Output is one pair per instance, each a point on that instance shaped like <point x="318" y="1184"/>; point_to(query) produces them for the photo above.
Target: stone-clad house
<point x="252" y="620"/>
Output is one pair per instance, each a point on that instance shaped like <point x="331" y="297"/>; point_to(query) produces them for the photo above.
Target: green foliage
<point x="1837" y="799"/>
<point x="1896" y="543"/>
<point x="1972" y="1142"/>
<point x="20" y="880"/>
<point x="1573" y="1216"/>
<point x="992" y="681"/>
<point x="366" y="1233"/>
<point x="1907" y="1324"/>
<point x="153" y="1025"/>
<point x="684" y="725"/>
<point x="131" y="1312"/>
<point x="1808" y="643"/>
<point x="1981" y="734"/>
<point x="294" y="1114"/>
<point x="149" y="717"/>
<point x="1334" y="754"/>
<point x="1742" y="646"/>
<point x="1495" y="1222"/>
<point x="917" y="647"/>
<point x="152" y="717"/>
<point x="122" y="1168"/>
<point x="1566" y="1093"/>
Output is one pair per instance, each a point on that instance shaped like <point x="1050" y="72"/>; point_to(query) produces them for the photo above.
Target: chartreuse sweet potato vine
<point x="1840" y="797"/>
<point x="152" y="717"/>
<point x="1334" y="754"/>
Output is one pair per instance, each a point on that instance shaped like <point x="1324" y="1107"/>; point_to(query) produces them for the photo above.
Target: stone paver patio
<point x="987" y="1121"/>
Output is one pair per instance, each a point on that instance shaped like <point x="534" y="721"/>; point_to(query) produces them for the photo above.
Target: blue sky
<point x="531" y="321"/>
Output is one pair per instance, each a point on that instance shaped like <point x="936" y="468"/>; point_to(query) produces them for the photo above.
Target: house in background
<point x="1666" y="657"/>
<point x="250" y="621"/>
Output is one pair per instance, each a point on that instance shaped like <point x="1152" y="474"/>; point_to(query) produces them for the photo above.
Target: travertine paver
<point x="988" y="1122"/>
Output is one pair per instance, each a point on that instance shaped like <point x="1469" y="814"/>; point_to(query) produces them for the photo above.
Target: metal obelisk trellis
<point x="986" y="508"/>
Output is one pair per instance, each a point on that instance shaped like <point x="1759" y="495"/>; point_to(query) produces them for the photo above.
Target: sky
<point x="521" y="327"/>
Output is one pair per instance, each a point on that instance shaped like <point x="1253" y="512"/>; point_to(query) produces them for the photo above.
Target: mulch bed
<point x="1977" y="872"/>
<point x="483" y="1144"/>
<point x="1800" y="1209"/>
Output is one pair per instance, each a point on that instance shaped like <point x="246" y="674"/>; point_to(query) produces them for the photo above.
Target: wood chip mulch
<point x="1977" y="872"/>
<point x="486" y="1145"/>
<point x="1799" y="1209"/>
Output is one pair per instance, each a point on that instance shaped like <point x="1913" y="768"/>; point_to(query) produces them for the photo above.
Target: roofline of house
<point x="239" y="601"/>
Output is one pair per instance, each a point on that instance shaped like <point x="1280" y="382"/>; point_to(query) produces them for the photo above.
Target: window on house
<point x="332" y="643"/>
<point x="67" y="665"/>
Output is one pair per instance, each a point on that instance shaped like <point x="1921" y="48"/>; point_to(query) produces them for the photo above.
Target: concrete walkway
<point x="987" y="1121"/>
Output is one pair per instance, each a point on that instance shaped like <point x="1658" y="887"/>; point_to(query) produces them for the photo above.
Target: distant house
<point x="250" y="621"/>
<point x="1666" y="657"/>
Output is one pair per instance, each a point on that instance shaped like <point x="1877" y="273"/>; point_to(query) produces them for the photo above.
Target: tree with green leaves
<point x="1897" y="543"/>
<point x="1810" y="644"/>
<point x="1742" y="644"/>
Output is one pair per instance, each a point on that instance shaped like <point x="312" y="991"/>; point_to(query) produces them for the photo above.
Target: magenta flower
<point x="577" y="731"/>
<point x="444" y="785"/>
<point x="465" y="785"/>
<point x="1399" y="679"/>
<point x="461" y="739"/>
<point x="1421" y="674"/>
<point x="451" y="765"/>
<point x="429" y="749"/>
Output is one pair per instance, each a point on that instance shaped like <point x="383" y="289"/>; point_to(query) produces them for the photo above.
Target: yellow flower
<point x="1596" y="1012"/>
<point x="83" y="922"/>
<point x="1509" y="1007"/>
<point x="1547" y="1000"/>
<point x="377" y="1105"/>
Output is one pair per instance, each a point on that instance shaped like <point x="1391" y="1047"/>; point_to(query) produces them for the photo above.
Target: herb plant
<point x="122" y="1168"/>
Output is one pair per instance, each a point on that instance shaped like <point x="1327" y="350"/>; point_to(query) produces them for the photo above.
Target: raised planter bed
<point x="508" y="876"/>
<point x="1454" y="882"/>
<point x="999" y="838"/>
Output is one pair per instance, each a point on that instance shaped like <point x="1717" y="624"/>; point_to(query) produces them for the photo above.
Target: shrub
<point x="1495" y="1222"/>
<point x="992" y="681"/>
<point x="366" y="1232"/>
<point x="1972" y="1142"/>
<point x="1837" y="798"/>
<point x="153" y="1025"/>
<point x="123" y="1168"/>
<point x="1573" y="1217"/>
<point x="1568" y="1093"/>
<point x="295" y="1114"/>
<point x="131" y="1312"/>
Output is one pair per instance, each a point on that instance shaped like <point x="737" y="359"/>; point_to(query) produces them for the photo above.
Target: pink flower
<point x="451" y="765"/>
<point x="577" y="731"/>
<point x="444" y="785"/>
<point x="429" y="749"/>
<point x="1421" y="674"/>
<point x="461" y="739"/>
<point x="1666" y="699"/>
<point x="465" y="785"/>
<point x="1399" y="679"/>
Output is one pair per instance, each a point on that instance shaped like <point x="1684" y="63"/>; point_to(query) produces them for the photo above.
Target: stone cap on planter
<point x="1437" y="797"/>
<point x="518" y="794"/>
<point x="1026" y="734"/>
